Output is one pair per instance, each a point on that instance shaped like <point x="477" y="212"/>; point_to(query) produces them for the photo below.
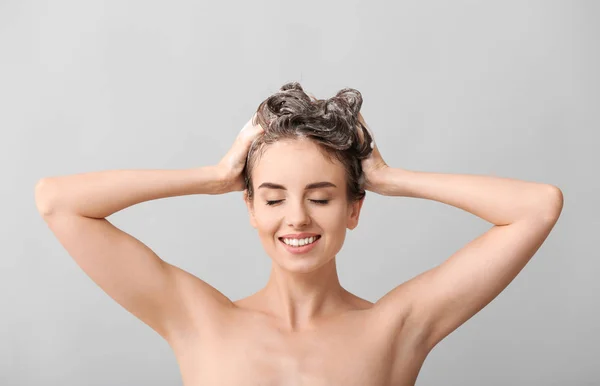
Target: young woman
<point x="303" y="165"/>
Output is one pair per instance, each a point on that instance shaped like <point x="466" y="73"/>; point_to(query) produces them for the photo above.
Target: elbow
<point x="43" y="194"/>
<point x="553" y="204"/>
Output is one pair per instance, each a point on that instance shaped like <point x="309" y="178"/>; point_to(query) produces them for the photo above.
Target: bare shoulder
<point x="205" y="306"/>
<point x="161" y="295"/>
<point x="391" y="326"/>
<point x="436" y="302"/>
<point x="402" y="338"/>
<point x="358" y="302"/>
<point x="392" y="314"/>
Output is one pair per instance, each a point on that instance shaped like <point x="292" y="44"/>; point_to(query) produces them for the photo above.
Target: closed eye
<point x="320" y="202"/>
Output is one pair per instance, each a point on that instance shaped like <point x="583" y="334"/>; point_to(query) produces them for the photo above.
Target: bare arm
<point x="438" y="301"/>
<point x="161" y="295"/>
<point x="498" y="200"/>
<point x="100" y="194"/>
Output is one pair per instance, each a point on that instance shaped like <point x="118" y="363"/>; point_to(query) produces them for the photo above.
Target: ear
<point x="354" y="213"/>
<point x="250" y="206"/>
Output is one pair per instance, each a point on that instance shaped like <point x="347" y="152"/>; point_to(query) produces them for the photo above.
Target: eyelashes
<point x="318" y="202"/>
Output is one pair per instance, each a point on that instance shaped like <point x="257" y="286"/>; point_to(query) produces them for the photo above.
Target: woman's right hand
<point x="232" y="164"/>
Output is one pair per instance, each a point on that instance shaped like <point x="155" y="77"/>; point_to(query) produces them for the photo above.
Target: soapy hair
<point x="332" y="124"/>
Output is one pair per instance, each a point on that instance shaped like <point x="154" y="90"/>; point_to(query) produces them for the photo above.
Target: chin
<point x="301" y="266"/>
<point x="299" y="263"/>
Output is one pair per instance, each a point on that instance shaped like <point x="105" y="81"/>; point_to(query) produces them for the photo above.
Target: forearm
<point x="498" y="200"/>
<point x="100" y="194"/>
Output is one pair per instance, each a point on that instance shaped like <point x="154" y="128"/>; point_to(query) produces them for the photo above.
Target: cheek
<point x="332" y="221"/>
<point x="267" y="222"/>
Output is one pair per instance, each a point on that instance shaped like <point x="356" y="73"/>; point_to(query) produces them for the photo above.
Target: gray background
<point x="506" y="88"/>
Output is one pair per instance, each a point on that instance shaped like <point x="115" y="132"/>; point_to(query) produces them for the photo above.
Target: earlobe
<point x="252" y="220"/>
<point x="355" y="214"/>
<point x="353" y="223"/>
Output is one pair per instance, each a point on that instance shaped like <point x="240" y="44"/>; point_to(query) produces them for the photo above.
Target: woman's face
<point x="283" y="205"/>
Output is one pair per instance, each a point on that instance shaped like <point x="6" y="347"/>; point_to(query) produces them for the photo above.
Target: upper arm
<point x="438" y="301"/>
<point x="159" y="294"/>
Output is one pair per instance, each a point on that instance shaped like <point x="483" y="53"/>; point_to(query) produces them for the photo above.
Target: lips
<point x="299" y="235"/>
<point x="299" y="238"/>
<point x="300" y="250"/>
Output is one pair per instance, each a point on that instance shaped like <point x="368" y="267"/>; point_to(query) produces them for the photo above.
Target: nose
<point x="297" y="215"/>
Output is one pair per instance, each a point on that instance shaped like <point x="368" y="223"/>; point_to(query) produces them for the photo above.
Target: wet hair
<point x="332" y="124"/>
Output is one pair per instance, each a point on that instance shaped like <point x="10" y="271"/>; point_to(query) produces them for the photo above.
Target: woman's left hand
<point x="374" y="167"/>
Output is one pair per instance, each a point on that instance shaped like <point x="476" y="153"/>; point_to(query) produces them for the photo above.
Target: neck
<point x="299" y="299"/>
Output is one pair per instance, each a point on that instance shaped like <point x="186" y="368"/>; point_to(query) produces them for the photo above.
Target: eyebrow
<point x="314" y="185"/>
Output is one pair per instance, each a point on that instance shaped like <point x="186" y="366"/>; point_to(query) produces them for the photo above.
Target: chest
<point x="330" y="361"/>
<point x="254" y="354"/>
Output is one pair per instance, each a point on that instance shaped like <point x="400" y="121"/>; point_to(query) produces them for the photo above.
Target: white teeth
<point x="299" y="242"/>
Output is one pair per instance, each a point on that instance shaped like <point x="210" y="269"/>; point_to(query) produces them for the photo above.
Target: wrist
<point x="390" y="181"/>
<point x="226" y="181"/>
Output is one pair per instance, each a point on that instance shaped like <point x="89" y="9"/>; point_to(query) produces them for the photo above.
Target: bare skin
<point x="303" y="328"/>
<point x="245" y="345"/>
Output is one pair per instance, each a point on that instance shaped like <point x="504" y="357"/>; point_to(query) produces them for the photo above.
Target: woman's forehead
<point x="296" y="160"/>
<point x="299" y="152"/>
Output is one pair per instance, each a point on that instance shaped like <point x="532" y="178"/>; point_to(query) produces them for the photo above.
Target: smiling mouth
<point x="298" y="246"/>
